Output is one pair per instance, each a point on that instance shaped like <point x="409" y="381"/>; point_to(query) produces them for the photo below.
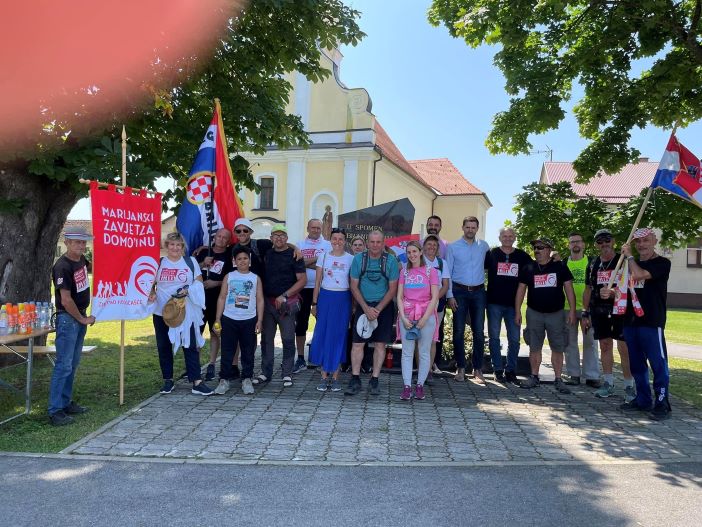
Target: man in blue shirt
<point x="374" y="288"/>
<point x="465" y="260"/>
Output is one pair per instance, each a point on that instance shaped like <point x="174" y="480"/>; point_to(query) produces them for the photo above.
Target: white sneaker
<point x="629" y="394"/>
<point x="222" y="387"/>
<point x="247" y="387"/>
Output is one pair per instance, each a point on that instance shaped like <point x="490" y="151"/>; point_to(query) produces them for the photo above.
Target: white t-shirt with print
<point x="171" y="277"/>
<point x="240" y="303"/>
<point x="335" y="271"/>
<point x="311" y="249"/>
<point x="435" y="264"/>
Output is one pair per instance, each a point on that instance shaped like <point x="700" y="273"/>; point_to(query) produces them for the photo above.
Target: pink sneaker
<point x="419" y="392"/>
<point x="406" y="394"/>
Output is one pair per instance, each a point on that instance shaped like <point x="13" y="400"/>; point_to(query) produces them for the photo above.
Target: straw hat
<point x="174" y="312"/>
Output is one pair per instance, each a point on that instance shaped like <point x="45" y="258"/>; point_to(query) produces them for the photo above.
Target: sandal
<point x="261" y="379"/>
<point x="287" y="381"/>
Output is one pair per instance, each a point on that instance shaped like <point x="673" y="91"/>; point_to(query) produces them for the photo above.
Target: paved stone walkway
<point x="457" y="422"/>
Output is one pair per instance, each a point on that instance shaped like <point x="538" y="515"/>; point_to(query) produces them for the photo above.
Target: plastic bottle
<point x="11" y="319"/>
<point x="22" y="319"/>
<point x="3" y="321"/>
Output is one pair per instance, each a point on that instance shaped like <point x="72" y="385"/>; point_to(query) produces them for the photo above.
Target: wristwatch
<point x="585" y="314"/>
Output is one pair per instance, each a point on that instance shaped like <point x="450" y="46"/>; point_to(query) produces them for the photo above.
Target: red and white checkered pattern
<point x="199" y="189"/>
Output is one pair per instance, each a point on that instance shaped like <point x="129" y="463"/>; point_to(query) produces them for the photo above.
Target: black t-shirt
<point x="545" y="283"/>
<point x="257" y="265"/>
<point x="72" y="276"/>
<point x="281" y="271"/>
<point x="503" y="275"/>
<point x="221" y="265"/>
<point x="651" y="293"/>
<point x="597" y="277"/>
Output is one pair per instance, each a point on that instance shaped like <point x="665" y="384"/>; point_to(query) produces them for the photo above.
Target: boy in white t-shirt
<point x="239" y="318"/>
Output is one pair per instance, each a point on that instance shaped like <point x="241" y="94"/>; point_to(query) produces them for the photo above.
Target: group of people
<point x="369" y="298"/>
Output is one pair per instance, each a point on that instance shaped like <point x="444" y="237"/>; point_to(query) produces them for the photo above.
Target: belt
<point x="468" y="287"/>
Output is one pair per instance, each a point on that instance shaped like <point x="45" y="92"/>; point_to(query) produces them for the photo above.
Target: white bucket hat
<point x="365" y="327"/>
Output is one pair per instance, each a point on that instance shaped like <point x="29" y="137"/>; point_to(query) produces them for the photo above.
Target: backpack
<point x="383" y="265"/>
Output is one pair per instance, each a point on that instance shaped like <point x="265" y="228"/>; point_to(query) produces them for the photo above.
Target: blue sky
<point x="436" y="97"/>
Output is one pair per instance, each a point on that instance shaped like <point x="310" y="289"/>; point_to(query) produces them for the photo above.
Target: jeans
<point x="69" y="346"/>
<point x="495" y="315"/>
<point x="240" y="333"/>
<point x="470" y="304"/>
<point x="272" y="320"/>
<point x="591" y="368"/>
<point x="426" y="336"/>
<point x="165" y="352"/>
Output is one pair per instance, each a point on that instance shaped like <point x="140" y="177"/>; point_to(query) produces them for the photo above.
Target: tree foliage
<point x="639" y="62"/>
<point x="555" y="211"/>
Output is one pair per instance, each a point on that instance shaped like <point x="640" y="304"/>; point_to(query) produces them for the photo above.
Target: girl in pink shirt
<point x="417" y="298"/>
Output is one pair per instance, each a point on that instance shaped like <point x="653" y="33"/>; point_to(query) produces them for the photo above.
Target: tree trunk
<point x="28" y="239"/>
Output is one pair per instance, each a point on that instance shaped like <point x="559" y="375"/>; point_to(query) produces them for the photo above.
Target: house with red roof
<point x="352" y="163"/>
<point x="685" y="283"/>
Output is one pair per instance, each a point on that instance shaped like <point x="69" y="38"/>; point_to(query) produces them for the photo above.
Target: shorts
<point x="606" y="325"/>
<point x="302" y="320"/>
<point x="383" y="333"/>
<point x="539" y="325"/>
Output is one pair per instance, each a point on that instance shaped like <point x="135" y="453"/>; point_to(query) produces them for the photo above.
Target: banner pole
<point x="636" y="222"/>
<point x="122" y="324"/>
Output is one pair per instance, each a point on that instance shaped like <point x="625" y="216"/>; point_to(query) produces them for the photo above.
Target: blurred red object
<point x="86" y="59"/>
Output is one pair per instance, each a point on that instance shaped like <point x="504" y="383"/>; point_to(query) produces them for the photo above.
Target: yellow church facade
<point x="351" y="164"/>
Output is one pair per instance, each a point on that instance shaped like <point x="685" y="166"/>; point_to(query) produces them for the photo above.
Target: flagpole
<point x="122" y="324"/>
<point x="636" y="222"/>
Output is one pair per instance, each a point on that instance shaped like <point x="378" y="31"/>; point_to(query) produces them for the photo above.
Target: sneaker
<point x="210" y="373"/>
<point x="530" y="382"/>
<point x="60" y="418"/>
<point x="606" y="390"/>
<point x="572" y="380"/>
<point x="322" y="386"/>
<point x="74" y="409"/>
<point x="287" y="381"/>
<point x="354" y="386"/>
<point x="510" y="376"/>
<point x="632" y="406"/>
<point x="300" y="365"/>
<point x="561" y="387"/>
<point x="201" y="389"/>
<point x="168" y="386"/>
<point x="478" y="377"/>
<point x="222" y="387"/>
<point x="419" y="392"/>
<point x="373" y="387"/>
<point x="500" y="377"/>
<point x="629" y="393"/>
<point x="236" y="374"/>
<point x="247" y="387"/>
<point x="661" y="411"/>
<point x="593" y="383"/>
<point x="460" y="375"/>
<point x="406" y="394"/>
<point x="335" y="386"/>
<point x="261" y="379"/>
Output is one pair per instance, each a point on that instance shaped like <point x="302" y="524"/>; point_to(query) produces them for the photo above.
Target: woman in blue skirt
<point x="331" y="306"/>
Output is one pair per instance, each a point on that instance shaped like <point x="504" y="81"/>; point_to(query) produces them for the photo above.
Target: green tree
<point x="555" y="211"/>
<point x="638" y="62"/>
<point x="269" y="38"/>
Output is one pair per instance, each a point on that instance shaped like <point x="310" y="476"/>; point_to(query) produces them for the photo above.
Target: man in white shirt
<point x="311" y="247"/>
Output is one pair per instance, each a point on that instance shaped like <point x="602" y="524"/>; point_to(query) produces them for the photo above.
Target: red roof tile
<point x="443" y="176"/>
<point x="615" y="188"/>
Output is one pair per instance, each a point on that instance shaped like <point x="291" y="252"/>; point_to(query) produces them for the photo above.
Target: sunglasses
<point x="540" y="247"/>
<point x="242" y="231"/>
<point x="600" y="241"/>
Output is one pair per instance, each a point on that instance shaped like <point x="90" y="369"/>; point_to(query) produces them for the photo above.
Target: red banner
<point x="126" y="251"/>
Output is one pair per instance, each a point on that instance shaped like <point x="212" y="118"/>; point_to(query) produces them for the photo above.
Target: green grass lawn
<point x="686" y="380"/>
<point x="96" y="386"/>
<point x="684" y="326"/>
